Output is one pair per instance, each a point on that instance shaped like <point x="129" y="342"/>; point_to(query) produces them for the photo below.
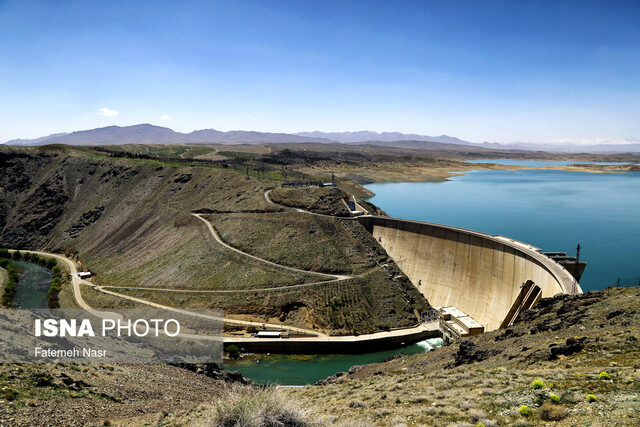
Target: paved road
<point x="77" y="281"/>
<point x="230" y="291"/>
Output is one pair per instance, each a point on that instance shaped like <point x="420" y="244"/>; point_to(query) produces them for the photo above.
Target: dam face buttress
<point x="481" y="274"/>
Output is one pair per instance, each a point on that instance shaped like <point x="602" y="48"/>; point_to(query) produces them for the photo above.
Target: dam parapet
<point x="482" y="275"/>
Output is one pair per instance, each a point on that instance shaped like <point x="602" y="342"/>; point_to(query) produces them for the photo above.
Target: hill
<point x="150" y="134"/>
<point x="368" y="136"/>
<point x="129" y="220"/>
<point x="568" y="346"/>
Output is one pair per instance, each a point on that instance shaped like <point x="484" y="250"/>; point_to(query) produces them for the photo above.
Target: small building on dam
<point x="487" y="277"/>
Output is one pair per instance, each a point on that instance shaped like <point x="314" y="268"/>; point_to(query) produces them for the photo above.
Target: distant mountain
<point x="627" y="145"/>
<point x="250" y="137"/>
<point x="34" y="141"/>
<point x="365" y="136"/>
<point x="150" y="134"/>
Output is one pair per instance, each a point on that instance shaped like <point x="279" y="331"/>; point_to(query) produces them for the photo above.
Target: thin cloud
<point x="165" y="117"/>
<point x="107" y="112"/>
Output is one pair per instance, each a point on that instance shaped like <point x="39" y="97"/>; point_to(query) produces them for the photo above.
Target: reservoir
<point x="33" y="286"/>
<point x="550" y="209"/>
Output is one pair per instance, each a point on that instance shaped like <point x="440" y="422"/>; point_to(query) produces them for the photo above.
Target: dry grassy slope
<point x="128" y="220"/>
<point x="566" y="342"/>
<point x="297" y="239"/>
<point x="48" y="394"/>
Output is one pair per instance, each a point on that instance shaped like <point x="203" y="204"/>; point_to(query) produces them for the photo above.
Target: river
<point x="308" y="369"/>
<point x="33" y="286"/>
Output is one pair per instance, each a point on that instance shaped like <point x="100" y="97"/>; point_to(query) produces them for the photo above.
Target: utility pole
<point x="578" y="253"/>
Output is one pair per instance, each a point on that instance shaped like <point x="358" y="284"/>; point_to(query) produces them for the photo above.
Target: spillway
<point x="479" y="273"/>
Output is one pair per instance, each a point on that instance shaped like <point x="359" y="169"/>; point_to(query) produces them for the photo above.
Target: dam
<point x="481" y="274"/>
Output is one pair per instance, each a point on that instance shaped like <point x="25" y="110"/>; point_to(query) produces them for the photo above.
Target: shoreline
<point x="431" y="174"/>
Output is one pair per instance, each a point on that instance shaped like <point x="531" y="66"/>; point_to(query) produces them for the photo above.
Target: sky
<point x="495" y="71"/>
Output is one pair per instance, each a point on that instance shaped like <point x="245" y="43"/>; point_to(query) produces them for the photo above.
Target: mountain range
<point x="151" y="134"/>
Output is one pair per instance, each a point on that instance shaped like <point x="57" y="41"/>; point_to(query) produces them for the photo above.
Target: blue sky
<point x="481" y="71"/>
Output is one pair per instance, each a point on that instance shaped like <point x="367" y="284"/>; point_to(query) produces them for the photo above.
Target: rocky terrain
<point x="98" y="394"/>
<point x="573" y="360"/>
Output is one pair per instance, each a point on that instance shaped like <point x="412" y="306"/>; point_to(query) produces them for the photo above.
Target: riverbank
<point x="4" y="276"/>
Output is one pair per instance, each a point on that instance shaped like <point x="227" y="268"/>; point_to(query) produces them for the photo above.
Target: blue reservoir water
<point x="552" y="210"/>
<point x="542" y="163"/>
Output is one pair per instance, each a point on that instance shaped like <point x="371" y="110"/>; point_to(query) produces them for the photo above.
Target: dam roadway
<point x="481" y="274"/>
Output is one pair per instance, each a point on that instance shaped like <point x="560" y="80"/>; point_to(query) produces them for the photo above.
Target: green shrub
<point x="233" y="350"/>
<point x="538" y="384"/>
<point x="554" y="398"/>
<point x="480" y="424"/>
<point x="524" y="410"/>
<point x="4" y="253"/>
<point x="591" y="398"/>
<point x="604" y="376"/>
<point x="10" y="286"/>
<point x="17" y="255"/>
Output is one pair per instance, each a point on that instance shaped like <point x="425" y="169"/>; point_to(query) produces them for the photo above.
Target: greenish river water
<point x="33" y="287"/>
<point x="308" y="369"/>
<point x="550" y="209"/>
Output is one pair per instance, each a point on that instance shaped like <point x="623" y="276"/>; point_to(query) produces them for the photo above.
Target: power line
<point x="613" y="238"/>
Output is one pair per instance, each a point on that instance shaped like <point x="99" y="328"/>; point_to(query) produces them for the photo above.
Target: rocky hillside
<point x="129" y="221"/>
<point x="574" y="360"/>
<point x="99" y="394"/>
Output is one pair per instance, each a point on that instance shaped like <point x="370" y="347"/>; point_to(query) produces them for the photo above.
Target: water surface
<point x="308" y="369"/>
<point x="550" y="209"/>
<point x="33" y="286"/>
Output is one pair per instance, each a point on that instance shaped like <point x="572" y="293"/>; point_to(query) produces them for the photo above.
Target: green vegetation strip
<point x="12" y="283"/>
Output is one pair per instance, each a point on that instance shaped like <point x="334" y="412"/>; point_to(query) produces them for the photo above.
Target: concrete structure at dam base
<point x="366" y="343"/>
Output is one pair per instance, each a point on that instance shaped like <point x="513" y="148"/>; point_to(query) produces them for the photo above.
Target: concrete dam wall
<point x="481" y="274"/>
